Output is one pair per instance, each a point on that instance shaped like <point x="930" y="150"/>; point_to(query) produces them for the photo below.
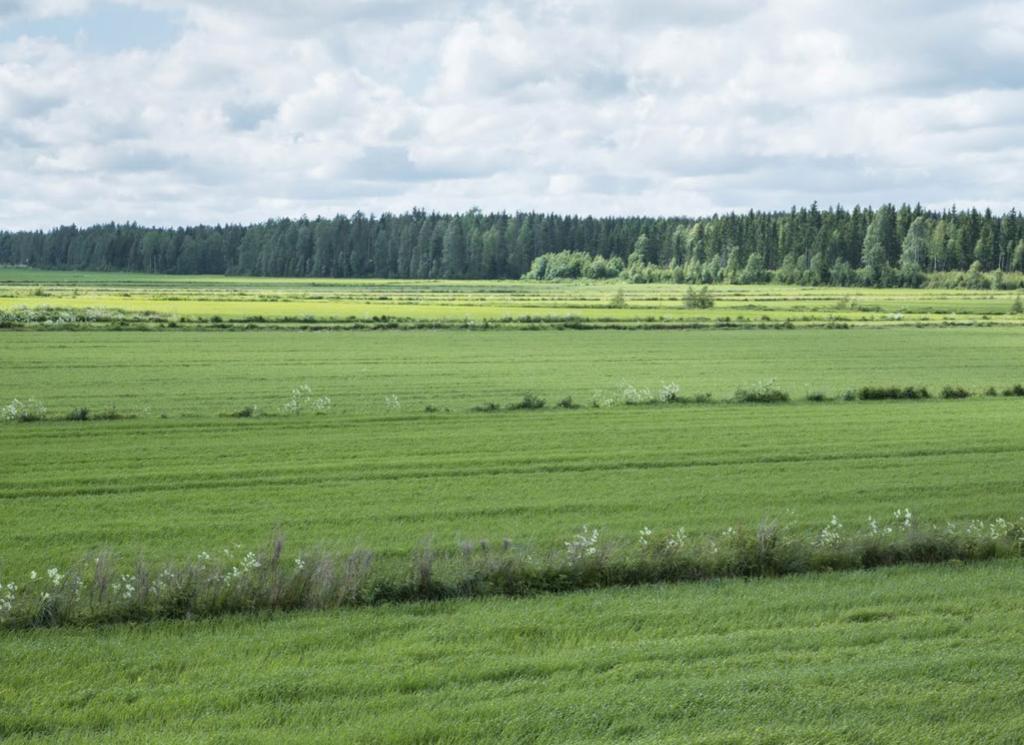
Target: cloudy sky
<point x="172" y="112"/>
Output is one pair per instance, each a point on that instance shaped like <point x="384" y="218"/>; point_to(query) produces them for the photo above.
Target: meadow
<point x="248" y="302"/>
<point x="905" y="655"/>
<point x="200" y="452"/>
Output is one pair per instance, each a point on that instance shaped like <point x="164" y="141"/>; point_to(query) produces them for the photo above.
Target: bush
<point x="573" y="265"/>
<point x="1017" y="390"/>
<point x="567" y="403"/>
<point x="618" y="300"/>
<point x="246" y="412"/>
<point x="762" y="392"/>
<point x="1018" y="306"/>
<point x="632" y="395"/>
<point x="303" y="400"/>
<point x="698" y="299"/>
<point x="817" y="396"/>
<point x="669" y="393"/>
<point x="79" y="414"/>
<point x="529" y="401"/>
<point x="878" y="393"/>
<point x="955" y="392"/>
<point x="489" y="406"/>
<point x="23" y="411"/>
<point x="108" y="415"/>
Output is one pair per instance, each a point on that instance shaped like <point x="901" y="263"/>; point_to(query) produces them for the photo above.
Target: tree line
<point x="888" y="245"/>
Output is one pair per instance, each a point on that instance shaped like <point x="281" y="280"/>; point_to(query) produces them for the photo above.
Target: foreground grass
<point x="906" y="655"/>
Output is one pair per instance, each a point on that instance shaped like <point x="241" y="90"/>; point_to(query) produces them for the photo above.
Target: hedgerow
<point x="102" y="590"/>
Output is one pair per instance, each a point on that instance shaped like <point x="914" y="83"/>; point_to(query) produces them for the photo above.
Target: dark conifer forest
<point x="874" y="247"/>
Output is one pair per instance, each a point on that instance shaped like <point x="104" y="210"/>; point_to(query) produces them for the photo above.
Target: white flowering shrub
<point x="303" y="400"/>
<point x="632" y="395"/>
<point x="23" y="411"/>
<point x="669" y="392"/>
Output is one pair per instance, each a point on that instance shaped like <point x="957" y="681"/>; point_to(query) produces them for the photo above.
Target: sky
<point x="169" y="112"/>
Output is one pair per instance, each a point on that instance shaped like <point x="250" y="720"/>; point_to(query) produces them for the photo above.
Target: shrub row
<point x="766" y="392"/>
<point x="100" y="590"/>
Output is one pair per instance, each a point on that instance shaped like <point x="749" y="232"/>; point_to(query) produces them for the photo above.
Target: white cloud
<point x="261" y="108"/>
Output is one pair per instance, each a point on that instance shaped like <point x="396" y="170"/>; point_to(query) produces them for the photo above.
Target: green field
<point x="238" y="301"/>
<point x="208" y="373"/>
<point x="912" y="654"/>
<point x="171" y="488"/>
<point x="897" y="656"/>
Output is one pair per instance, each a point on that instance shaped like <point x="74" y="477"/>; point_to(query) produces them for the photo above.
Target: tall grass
<point x="103" y="590"/>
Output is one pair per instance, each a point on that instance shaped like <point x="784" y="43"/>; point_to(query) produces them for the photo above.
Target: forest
<point x="888" y="246"/>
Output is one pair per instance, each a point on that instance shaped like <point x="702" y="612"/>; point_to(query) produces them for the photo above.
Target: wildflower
<point x="830" y="535"/>
<point x="676" y="540"/>
<point x="7" y="594"/>
<point x="32" y="575"/>
<point x="1000" y="528"/>
<point x="300" y="564"/>
<point x="645" y="535"/>
<point x="583" y="544"/>
<point x="55" y="576"/>
<point x="125" y="588"/>
<point x="391" y="403"/>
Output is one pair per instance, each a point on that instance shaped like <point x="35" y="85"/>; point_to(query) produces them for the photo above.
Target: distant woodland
<point x="871" y="247"/>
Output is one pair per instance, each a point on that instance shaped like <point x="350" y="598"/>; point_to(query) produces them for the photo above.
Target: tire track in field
<point x="237" y="478"/>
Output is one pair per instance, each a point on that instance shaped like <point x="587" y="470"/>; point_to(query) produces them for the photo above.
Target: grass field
<point x="173" y="488"/>
<point x="209" y="373"/>
<point x="913" y="654"/>
<point x="188" y="300"/>
<point x="907" y="655"/>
